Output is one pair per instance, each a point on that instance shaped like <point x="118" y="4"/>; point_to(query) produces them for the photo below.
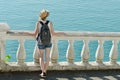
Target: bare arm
<point x="53" y="32"/>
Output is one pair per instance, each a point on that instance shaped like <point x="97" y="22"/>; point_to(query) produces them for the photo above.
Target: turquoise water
<point x="66" y="15"/>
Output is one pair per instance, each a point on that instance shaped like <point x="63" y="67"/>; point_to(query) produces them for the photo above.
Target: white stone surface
<point x="4" y="27"/>
<point x="84" y="64"/>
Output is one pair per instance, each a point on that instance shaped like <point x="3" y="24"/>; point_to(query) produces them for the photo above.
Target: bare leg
<point x="41" y="59"/>
<point x="47" y="59"/>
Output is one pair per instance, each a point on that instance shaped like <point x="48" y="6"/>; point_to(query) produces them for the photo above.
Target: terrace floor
<point x="63" y="75"/>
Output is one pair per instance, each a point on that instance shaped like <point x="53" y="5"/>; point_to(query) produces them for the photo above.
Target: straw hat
<point x="44" y="13"/>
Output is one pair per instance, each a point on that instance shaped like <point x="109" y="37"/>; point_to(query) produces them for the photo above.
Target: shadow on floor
<point x="63" y="75"/>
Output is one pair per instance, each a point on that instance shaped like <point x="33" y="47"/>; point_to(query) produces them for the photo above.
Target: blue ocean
<point x="66" y="15"/>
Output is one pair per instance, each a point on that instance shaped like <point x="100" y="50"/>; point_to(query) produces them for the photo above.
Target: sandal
<point x="43" y="75"/>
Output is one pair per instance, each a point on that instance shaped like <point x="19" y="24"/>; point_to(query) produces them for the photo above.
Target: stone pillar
<point x="54" y="52"/>
<point x="36" y="55"/>
<point x="21" y="54"/>
<point x="114" y="52"/>
<point x="70" y="52"/>
<point x="100" y="52"/>
<point x="85" y="52"/>
<point x="3" y="29"/>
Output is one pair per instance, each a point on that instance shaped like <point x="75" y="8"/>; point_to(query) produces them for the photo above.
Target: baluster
<point x="54" y="52"/>
<point x="2" y="50"/>
<point x="70" y="52"/>
<point x="85" y="52"/>
<point x="114" y="52"/>
<point x="3" y="29"/>
<point x="100" y="52"/>
<point x="36" y="55"/>
<point x="21" y="54"/>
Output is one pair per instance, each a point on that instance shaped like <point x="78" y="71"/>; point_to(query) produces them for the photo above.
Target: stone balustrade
<point x="70" y="64"/>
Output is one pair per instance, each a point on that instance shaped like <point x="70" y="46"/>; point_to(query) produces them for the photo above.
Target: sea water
<point x="66" y="15"/>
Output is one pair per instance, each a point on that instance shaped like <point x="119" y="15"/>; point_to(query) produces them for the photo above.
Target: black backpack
<point x="44" y="35"/>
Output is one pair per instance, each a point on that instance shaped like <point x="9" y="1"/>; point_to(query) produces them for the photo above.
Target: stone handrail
<point x="71" y="36"/>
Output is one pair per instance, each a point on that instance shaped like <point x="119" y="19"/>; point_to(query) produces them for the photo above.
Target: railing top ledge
<point x="74" y="34"/>
<point x="4" y="27"/>
<point x="92" y="34"/>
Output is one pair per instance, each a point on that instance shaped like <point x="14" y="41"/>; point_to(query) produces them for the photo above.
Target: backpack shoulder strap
<point x="41" y="23"/>
<point x="47" y="22"/>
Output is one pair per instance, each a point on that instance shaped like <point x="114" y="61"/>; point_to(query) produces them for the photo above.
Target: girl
<point x="44" y="48"/>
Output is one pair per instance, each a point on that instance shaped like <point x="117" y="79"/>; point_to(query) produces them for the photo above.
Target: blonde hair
<point x="44" y="14"/>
